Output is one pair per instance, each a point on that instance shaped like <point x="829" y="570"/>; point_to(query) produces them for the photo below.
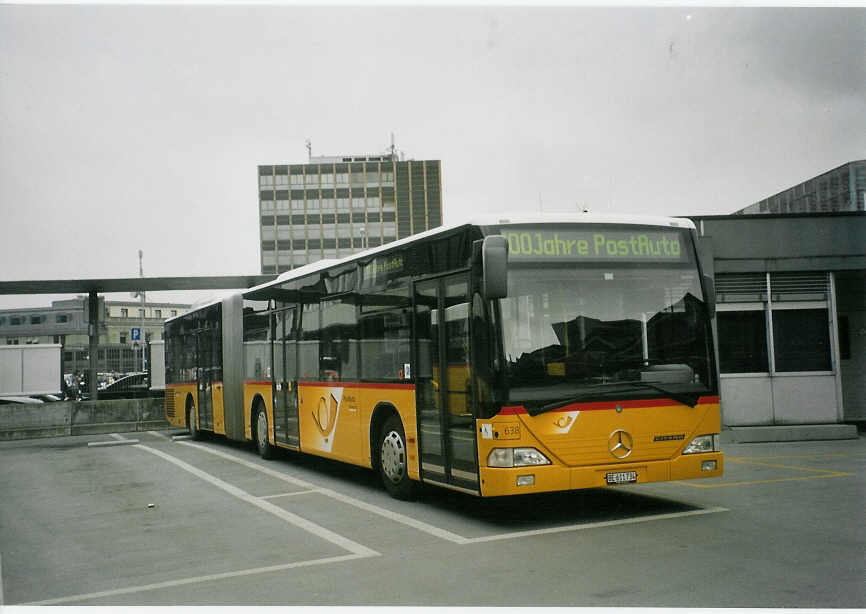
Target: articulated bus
<point x="497" y="357"/>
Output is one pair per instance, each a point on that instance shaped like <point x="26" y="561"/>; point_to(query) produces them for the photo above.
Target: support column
<point x="93" y="333"/>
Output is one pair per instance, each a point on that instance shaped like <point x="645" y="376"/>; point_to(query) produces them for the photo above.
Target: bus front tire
<point x="266" y="450"/>
<point x="394" y="460"/>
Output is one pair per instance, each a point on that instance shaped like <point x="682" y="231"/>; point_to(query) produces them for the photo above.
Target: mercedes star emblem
<point x="620" y="444"/>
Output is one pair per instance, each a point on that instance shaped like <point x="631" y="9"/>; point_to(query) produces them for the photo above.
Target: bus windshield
<point x="579" y="333"/>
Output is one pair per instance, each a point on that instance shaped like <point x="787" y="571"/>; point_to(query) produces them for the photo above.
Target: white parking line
<point x="119" y="442"/>
<point x="302" y="523"/>
<point x="390" y="515"/>
<point x="291" y="494"/>
<point x="594" y="525"/>
<point x="434" y="530"/>
<point x="196" y="580"/>
<point x="1" y="580"/>
<point x="158" y="434"/>
<point x="118" y="437"/>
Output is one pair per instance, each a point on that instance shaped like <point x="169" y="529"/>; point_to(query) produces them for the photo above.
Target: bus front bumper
<point x="549" y="478"/>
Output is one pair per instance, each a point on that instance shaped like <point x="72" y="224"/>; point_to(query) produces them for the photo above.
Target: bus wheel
<point x="266" y="450"/>
<point x="191" y="425"/>
<point x="394" y="461"/>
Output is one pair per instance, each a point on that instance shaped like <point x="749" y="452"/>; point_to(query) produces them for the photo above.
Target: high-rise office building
<point x="334" y="206"/>
<point x="840" y="189"/>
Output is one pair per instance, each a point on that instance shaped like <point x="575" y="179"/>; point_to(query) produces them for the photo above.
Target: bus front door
<point x="285" y="379"/>
<point x="445" y="419"/>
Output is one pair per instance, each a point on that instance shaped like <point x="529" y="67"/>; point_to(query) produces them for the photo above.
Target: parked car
<point x="132" y="386"/>
<point x="20" y="401"/>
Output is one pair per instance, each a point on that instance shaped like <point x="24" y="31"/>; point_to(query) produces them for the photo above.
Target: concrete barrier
<point x="80" y="418"/>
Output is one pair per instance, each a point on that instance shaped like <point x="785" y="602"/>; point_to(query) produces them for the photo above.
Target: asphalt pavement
<point x="108" y="520"/>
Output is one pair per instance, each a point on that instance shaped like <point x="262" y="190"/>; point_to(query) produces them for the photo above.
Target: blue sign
<point x="135" y="334"/>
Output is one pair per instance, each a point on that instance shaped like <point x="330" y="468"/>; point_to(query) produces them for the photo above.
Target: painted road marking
<point x="119" y="442"/>
<point x="750" y="460"/>
<point x="1" y="580"/>
<point x="291" y="494"/>
<point x="157" y="434"/>
<point x="390" y="515"/>
<point x="436" y="531"/>
<point x="302" y="523"/>
<point x="595" y="525"/>
<point x="196" y="579"/>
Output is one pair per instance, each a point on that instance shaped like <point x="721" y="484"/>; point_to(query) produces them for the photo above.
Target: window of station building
<point x="266" y="180"/>
<point x="2" y="320"/>
<point x="141" y="313"/>
<point x="801" y="340"/>
<point x="297" y="206"/>
<point x="311" y="179"/>
<point x="342" y="204"/>
<point x="267" y="206"/>
<point x="124" y="313"/>
<point x="14" y="321"/>
<point x="742" y="341"/>
<point x="157" y="313"/>
<point x="342" y="178"/>
<point x="297" y="181"/>
<point x="327" y="180"/>
<point x="36" y="319"/>
<point x="61" y="318"/>
<point x="357" y="204"/>
<point x="281" y="180"/>
<point x="282" y="206"/>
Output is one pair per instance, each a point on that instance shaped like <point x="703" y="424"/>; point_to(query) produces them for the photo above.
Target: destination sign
<point x="602" y="244"/>
<point x="382" y="268"/>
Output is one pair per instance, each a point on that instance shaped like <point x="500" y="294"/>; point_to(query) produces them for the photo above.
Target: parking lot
<point x="99" y="520"/>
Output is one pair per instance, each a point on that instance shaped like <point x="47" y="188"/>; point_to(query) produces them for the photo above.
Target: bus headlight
<point x="516" y="457"/>
<point x="703" y="443"/>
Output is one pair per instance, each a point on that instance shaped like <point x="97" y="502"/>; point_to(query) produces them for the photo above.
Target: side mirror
<point x="494" y="264"/>
<point x="710" y="288"/>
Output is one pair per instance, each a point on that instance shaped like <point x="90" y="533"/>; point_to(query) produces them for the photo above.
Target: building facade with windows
<point x="840" y="189"/>
<point x="791" y="316"/>
<point x="335" y="206"/>
<point x="65" y="323"/>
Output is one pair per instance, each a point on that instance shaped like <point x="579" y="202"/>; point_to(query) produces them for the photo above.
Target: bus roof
<point x="488" y="220"/>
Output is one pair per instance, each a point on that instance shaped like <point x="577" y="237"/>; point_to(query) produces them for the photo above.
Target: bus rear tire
<point x="394" y="460"/>
<point x="266" y="450"/>
<point x="191" y="423"/>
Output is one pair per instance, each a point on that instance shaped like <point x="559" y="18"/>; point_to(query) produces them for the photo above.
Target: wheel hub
<point x="393" y="456"/>
<point x="262" y="429"/>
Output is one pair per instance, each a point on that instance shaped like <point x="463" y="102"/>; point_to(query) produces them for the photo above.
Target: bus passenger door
<point x="285" y="379"/>
<point x="204" y="375"/>
<point x="445" y="418"/>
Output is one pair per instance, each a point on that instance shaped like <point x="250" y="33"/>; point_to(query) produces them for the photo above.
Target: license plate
<point x="621" y="477"/>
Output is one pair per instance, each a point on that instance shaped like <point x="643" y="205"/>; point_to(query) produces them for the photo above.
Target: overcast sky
<point x="126" y="128"/>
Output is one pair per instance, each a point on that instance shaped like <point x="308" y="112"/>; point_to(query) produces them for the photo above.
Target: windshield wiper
<point x="689" y="399"/>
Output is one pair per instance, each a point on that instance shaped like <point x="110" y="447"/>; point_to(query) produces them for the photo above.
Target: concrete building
<point x="791" y="319"/>
<point x="335" y="206"/>
<point x="65" y="322"/>
<point x="840" y="189"/>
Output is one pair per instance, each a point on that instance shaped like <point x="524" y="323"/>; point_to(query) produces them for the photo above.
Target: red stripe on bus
<point x="257" y="383"/>
<point x="384" y="386"/>
<point x="601" y="405"/>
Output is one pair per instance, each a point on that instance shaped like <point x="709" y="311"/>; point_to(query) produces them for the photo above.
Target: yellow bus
<point x="497" y="357"/>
